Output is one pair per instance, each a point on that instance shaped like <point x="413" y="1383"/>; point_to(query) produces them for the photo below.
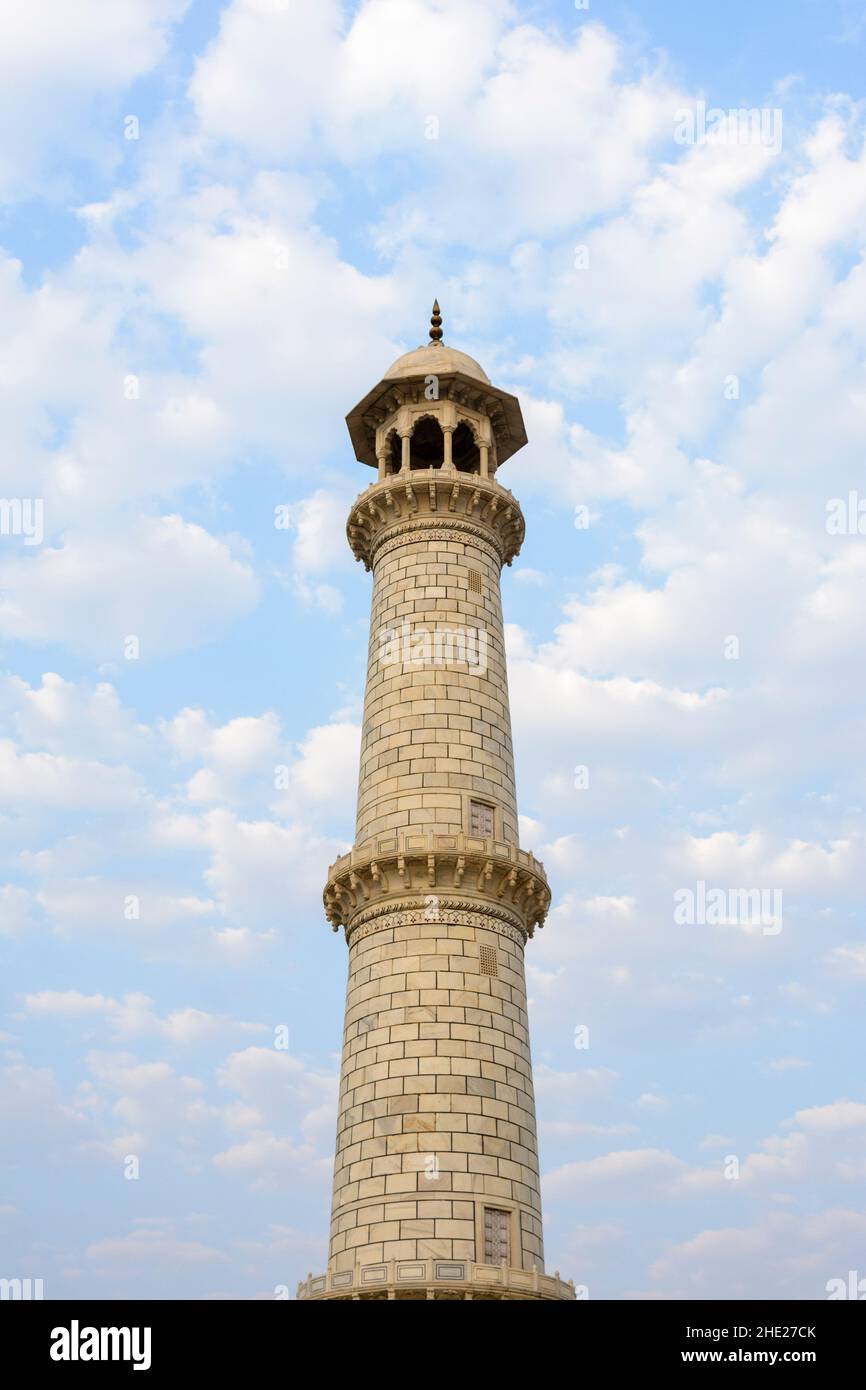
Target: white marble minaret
<point x="436" y="1184"/>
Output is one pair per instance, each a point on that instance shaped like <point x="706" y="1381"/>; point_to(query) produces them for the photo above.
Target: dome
<point x="435" y="359"/>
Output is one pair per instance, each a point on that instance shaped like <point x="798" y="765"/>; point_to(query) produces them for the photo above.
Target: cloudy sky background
<point x="187" y="316"/>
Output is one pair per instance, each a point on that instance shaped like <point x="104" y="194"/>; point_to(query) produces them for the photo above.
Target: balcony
<point x="442" y="1279"/>
<point x="404" y="862"/>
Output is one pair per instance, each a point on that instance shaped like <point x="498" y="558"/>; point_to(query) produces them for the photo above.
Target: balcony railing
<point x="436" y="1278"/>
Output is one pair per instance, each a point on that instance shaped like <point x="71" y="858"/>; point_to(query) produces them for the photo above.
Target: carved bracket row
<point x="433" y="493"/>
<point x="354" y="887"/>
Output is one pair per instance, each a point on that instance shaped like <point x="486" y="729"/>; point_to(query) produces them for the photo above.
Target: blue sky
<point x="188" y="317"/>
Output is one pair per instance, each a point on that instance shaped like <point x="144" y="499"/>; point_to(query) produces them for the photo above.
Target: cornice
<point x="405" y="504"/>
<point x="490" y="877"/>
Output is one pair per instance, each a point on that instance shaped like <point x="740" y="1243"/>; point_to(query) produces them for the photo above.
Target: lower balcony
<point x="443" y="1279"/>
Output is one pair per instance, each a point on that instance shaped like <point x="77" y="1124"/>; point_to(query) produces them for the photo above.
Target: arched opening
<point x="395" y="454"/>
<point x="465" y="453"/>
<point x="427" y="445"/>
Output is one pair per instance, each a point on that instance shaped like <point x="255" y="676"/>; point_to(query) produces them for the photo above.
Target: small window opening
<point x="480" y="819"/>
<point x="496" y="1232"/>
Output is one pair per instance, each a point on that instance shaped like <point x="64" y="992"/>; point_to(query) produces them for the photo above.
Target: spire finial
<point x="436" y="323"/>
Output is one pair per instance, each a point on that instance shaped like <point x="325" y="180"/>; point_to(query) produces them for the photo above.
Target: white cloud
<point x="140" y="911"/>
<point x="849" y="961"/>
<point x="716" y="1141"/>
<point x="277" y="1092"/>
<point x="281" y="281"/>
<point x="325" y="771"/>
<point x="59" y="714"/>
<point x="37" y="1115"/>
<point x="241" y="750"/>
<point x="319" y="546"/>
<point x="841" y="1115"/>
<point x="58" y="65"/>
<point x="636" y="1174"/>
<point x="16" y="910"/>
<point x="256" y="36"/>
<point x="271" y="1079"/>
<point x="263" y="873"/>
<point x="781" y="1256"/>
<point x="150" y="1243"/>
<point x="240" y="227"/>
<point x="269" y="1162"/>
<point x="572" y="1087"/>
<point x="55" y="782"/>
<point x="134" y="1016"/>
<point x="130" y="581"/>
<point x="150" y="1099"/>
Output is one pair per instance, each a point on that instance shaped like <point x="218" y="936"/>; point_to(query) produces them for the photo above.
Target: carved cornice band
<point x="433" y="528"/>
<point x="451" y="911"/>
<point x="442" y="873"/>
<point x="457" y="502"/>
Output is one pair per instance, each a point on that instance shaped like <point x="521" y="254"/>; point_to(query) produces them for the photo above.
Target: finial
<point x="436" y="323"/>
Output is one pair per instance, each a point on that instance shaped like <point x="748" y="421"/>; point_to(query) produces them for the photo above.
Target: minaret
<point x="436" y="1183"/>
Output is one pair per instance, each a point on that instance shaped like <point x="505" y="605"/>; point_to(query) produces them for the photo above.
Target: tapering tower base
<point x="436" y="1191"/>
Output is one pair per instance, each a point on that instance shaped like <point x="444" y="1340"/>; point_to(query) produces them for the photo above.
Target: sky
<point x="219" y="224"/>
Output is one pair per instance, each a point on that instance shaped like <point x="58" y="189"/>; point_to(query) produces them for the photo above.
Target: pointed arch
<point x="427" y="444"/>
<point x="465" y="451"/>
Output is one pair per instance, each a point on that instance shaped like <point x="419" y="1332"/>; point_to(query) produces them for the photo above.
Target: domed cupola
<point x="436" y="408"/>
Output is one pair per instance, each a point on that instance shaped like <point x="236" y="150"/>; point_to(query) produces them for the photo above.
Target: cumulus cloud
<point x="694" y="648"/>
<point x="249" y="760"/>
<point x="134" y="1016"/>
<point x="276" y="1091"/>
<point x="40" y="1116"/>
<point x="57" y="593"/>
<point x="151" y="1242"/>
<point x="782" y="1256"/>
<point x="60" y="66"/>
<point x="59" y="714"/>
<point x="56" y="782"/>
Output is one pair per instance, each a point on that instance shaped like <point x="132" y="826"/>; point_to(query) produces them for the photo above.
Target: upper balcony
<point x="413" y="496"/>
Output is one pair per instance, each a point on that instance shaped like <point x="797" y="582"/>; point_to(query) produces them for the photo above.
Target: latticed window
<point x="480" y="819"/>
<point x="475" y="581"/>
<point x="488" y="960"/>
<point x="496" y="1232"/>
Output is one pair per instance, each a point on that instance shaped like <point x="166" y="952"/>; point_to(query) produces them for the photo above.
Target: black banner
<point x="225" y="1338"/>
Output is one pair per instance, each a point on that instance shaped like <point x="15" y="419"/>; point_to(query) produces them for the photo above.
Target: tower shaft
<point x="436" y="1178"/>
